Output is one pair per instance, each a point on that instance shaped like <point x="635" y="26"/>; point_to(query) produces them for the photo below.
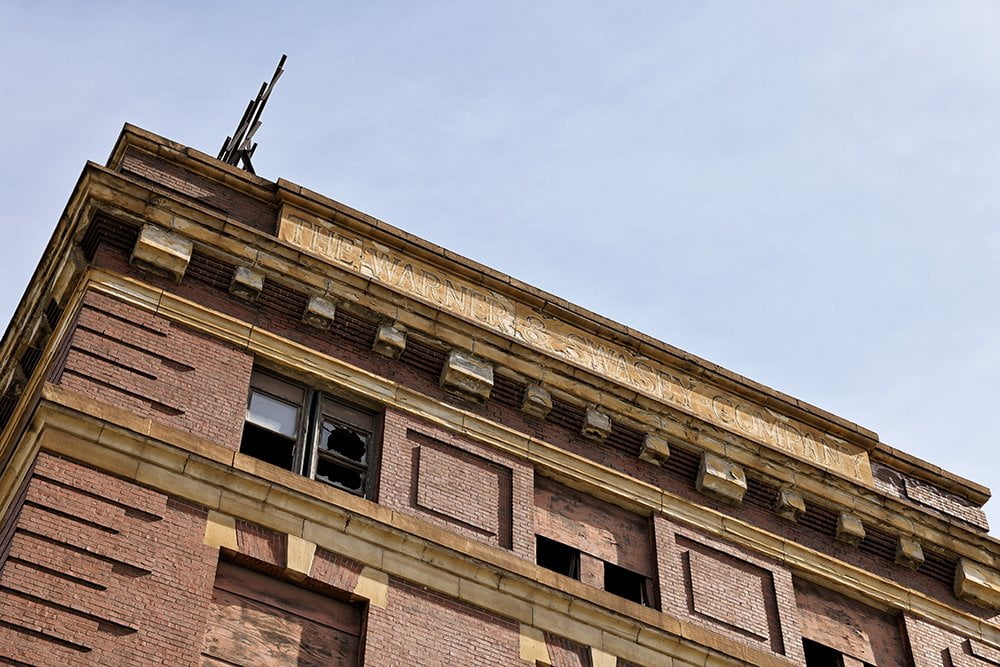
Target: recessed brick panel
<point x="930" y="644"/>
<point x="731" y="593"/>
<point x="456" y="483"/>
<point x="727" y="589"/>
<point x="461" y="486"/>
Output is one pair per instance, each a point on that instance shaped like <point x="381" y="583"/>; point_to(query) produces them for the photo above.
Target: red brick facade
<point x="101" y="571"/>
<point x="114" y="563"/>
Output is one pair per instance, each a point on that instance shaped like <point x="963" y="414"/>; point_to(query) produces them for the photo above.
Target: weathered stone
<point x="14" y="381"/>
<point x="850" y="529"/>
<point x="299" y="557"/>
<point x="162" y="252"/>
<point x="977" y="584"/>
<point x="319" y="312"/>
<point x="654" y="449"/>
<point x="467" y="376"/>
<point x="246" y="284"/>
<point x="789" y="504"/>
<point x="909" y="553"/>
<point x="537" y="401"/>
<point x="390" y="341"/>
<point x="721" y="479"/>
<point x="596" y="425"/>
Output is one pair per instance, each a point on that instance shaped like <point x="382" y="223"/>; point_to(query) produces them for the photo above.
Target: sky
<point x="804" y="193"/>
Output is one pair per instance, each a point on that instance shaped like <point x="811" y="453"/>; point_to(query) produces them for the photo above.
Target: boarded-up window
<point x="256" y="620"/>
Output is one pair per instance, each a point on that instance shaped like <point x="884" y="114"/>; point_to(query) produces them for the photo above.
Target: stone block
<point x="596" y="425"/>
<point x="850" y="529"/>
<point x="533" y="648"/>
<point x="721" y="479"/>
<point x="220" y="531"/>
<point x="654" y="449"/>
<point x="909" y="553"/>
<point x="537" y="401"/>
<point x="299" y="556"/>
<point x="789" y="504"/>
<point x="246" y="284"/>
<point x="14" y="381"/>
<point x="467" y="376"/>
<point x="162" y="252"/>
<point x="319" y="312"/>
<point x="390" y="341"/>
<point x="978" y="584"/>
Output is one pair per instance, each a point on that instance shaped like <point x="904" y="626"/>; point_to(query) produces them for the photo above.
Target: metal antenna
<point x="240" y="146"/>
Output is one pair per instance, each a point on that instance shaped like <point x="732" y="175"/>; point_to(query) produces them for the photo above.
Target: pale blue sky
<point x="802" y="192"/>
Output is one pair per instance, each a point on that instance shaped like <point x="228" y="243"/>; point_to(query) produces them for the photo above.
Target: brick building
<point x="246" y="424"/>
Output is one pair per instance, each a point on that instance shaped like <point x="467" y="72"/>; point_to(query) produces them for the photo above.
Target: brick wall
<point x="929" y="495"/>
<point x="419" y="627"/>
<point x="849" y="626"/>
<point x="133" y="359"/>
<point x="102" y="571"/>
<point x="676" y="477"/>
<point x="593" y="526"/>
<point x="206" y="192"/>
<point x="932" y="646"/>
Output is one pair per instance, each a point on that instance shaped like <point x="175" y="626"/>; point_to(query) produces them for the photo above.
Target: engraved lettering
<point x="745" y="419"/>
<point x="430" y="286"/>
<point x="405" y="279"/>
<point x="348" y="252"/>
<point x="534" y="331"/>
<point x="644" y="376"/>
<point x="724" y="409"/>
<point x="455" y="297"/>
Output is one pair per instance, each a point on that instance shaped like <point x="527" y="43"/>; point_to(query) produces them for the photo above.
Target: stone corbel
<point x="390" y="340"/>
<point x="721" y="479"/>
<point x="162" y="252"/>
<point x="467" y="376"/>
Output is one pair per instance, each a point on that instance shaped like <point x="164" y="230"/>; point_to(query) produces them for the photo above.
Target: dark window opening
<point x="309" y="433"/>
<point x="339" y="476"/>
<point x="818" y="655"/>
<point x="267" y="446"/>
<point x="344" y="443"/>
<point x="557" y="557"/>
<point x="625" y="583"/>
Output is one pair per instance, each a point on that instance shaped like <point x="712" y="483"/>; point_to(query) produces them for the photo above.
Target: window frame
<point x="318" y="405"/>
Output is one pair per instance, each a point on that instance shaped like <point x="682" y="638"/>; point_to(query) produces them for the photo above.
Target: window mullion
<point x="309" y="438"/>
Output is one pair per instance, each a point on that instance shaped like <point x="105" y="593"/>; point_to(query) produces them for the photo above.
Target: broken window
<point x="309" y="432"/>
